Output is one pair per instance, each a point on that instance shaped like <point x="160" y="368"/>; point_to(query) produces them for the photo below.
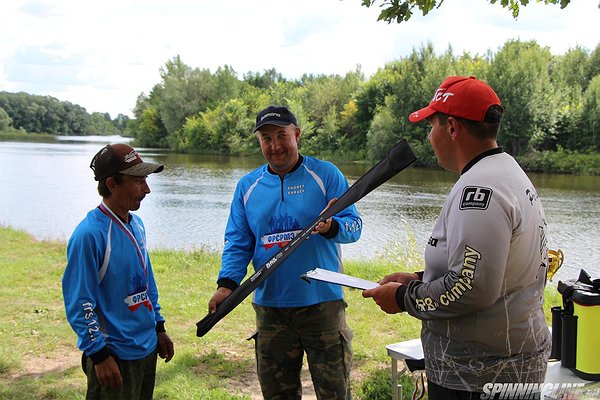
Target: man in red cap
<point x="110" y="294"/>
<point x="480" y="296"/>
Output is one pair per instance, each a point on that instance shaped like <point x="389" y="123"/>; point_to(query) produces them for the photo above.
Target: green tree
<point x="381" y="135"/>
<point x="149" y="130"/>
<point x="5" y="120"/>
<point x="226" y="129"/>
<point x="236" y="123"/>
<point x="368" y="98"/>
<point x="196" y="135"/>
<point x="323" y="99"/>
<point x="121" y="122"/>
<point x="185" y="91"/>
<point x="291" y="94"/>
<point x="591" y="114"/>
<point x="402" y="10"/>
<point x="520" y="76"/>
<point x="324" y="140"/>
<point x="592" y="69"/>
<point x="101" y="124"/>
<point x="34" y="113"/>
<point x="264" y="80"/>
<point x="568" y="78"/>
<point x="571" y="70"/>
<point x="416" y="78"/>
<point x="348" y="126"/>
<point x="255" y="99"/>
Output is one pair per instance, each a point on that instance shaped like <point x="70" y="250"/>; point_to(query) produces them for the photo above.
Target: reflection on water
<point x="48" y="188"/>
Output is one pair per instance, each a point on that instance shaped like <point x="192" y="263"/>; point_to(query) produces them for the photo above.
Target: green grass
<point x="40" y="359"/>
<point x="14" y="135"/>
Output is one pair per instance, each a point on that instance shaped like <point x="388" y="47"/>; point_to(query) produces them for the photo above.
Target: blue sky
<point x="102" y="55"/>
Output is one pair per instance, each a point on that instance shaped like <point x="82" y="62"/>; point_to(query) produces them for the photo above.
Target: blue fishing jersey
<point x="267" y="212"/>
<point x="109" y="290"/>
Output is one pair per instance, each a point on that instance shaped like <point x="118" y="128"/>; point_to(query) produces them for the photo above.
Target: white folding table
<point x="412" y="349"/>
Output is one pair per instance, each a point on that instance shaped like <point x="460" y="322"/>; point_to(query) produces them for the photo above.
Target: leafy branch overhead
<point x="402" y="10"/>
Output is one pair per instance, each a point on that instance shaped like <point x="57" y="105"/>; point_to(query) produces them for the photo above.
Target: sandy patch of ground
<point x="40" y="365"/>
<point x="248" y="385"/>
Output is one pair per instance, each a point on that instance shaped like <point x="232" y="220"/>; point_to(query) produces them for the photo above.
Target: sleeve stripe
<point x="251" y="188"/>
<point x="104" y="266"/>
<point x="317" y="179"/>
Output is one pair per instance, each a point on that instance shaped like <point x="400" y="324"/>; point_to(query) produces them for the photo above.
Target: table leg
<point x="395" y="394"/>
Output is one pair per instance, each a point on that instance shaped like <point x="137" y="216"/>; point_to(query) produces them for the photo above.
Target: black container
<point x="557" y="313"/>
<point x="580" y="343"/>
<point x="568" y="341"/>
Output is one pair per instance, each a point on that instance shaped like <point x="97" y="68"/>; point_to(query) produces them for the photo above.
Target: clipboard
<point x="337" y="278"/>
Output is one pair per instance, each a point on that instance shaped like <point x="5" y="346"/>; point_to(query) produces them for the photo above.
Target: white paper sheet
<point x="339" y="279"/>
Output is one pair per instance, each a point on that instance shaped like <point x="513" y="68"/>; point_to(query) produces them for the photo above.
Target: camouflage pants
<point x="283" y="336"/>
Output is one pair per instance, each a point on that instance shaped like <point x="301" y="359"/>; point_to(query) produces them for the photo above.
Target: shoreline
<point x="557" y="162"/>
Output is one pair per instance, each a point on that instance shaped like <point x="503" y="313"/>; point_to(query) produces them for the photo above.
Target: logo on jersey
<point x="139" y="295"/>
<point x="475" y="197"/>
<point x="296" y="189"/>
<point x="282" y="230"/>
<point x="462" y="284"/>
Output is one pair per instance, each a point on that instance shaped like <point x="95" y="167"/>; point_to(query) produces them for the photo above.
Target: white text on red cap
<point x="441" y="94"/>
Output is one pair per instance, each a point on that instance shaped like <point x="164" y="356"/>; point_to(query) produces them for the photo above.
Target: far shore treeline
<point x="28" y="113"/>
<point x="551" y="124"/>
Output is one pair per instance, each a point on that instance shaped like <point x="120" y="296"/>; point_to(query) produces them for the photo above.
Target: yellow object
<point x="588" y="325"/>
<point x="555" y="261"/>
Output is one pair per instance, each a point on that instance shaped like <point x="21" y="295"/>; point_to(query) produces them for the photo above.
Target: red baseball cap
<point x="459" y="96"/>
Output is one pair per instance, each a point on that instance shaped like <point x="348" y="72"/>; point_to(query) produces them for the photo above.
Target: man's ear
<point x="453" y="127"/>
<point x="111" y="183"/>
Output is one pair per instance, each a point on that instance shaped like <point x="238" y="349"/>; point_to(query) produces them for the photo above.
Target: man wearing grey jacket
<point x="480" y="296"/>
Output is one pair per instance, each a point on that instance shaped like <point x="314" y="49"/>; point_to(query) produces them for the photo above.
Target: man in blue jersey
<point x="270" y="206"/>
<point x="480" y="296"/>
<point x="110" y="294"/>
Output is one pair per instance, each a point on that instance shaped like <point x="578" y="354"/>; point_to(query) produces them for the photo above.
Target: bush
<point x="562" y="161"/>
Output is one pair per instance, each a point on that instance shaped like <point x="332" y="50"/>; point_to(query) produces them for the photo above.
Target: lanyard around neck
<point x="104" y="208"/>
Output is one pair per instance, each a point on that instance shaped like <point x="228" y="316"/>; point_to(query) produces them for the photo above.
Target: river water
<point x="46" y="189"/>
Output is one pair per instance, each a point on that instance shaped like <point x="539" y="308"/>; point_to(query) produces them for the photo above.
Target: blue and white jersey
<point x="268" y="211"/>
<point x="108" y="285"/>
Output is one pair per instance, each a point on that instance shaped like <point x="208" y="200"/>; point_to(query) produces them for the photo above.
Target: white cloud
<point x="102" y="55"/>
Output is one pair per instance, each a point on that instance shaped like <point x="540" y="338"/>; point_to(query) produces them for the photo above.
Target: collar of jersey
<point x="300" y="159"/>
<point x="486" y="153"/>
